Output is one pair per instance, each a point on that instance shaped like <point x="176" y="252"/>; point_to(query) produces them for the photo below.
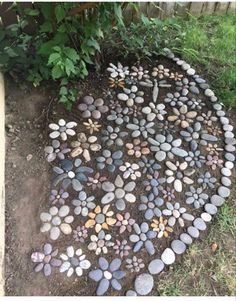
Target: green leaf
<point x="118" y="13"/>
<point x="70" y="68"/>
<point x="54" y="57"/>
<point x="32" y="12"/>
<point x="63" y="91"/>
<point x="46" y="27"/>
<point x="57" y="72"/>
<point x="71" y="54"/>
<point x="60" y="12"/>
<point x="94" y="44"/>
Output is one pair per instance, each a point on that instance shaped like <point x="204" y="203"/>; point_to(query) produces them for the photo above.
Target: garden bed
<point x="29" y="179"/>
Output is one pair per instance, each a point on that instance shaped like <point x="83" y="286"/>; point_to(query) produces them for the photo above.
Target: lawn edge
<point x="2" y="183"/>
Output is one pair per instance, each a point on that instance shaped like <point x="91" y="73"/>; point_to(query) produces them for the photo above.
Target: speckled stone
<point x="193" y="231"/>
<point x="155" y="266"/>
<point x="186" y="238"/>
<point x="199" y="224"/>
<point x="211" y="209"/>
<point x="143" y="284"/>
<point x="178" y="246"/>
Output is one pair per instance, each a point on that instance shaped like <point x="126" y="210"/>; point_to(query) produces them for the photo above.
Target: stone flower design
<point x="137" y="148"/>
<point x="101" y="218"/>
<point x="62" y="129"/>
<point x="196" y="197"/>
<point x="116" y="82"/>
<point x="214" y="130"/>
<point x="185" y="86"/>
<point x="139" y="72"/>
<point x="195" y="158"/>
<point x="131" y="96"/>
<point x="207" y="118"/>
<point x="176" y="76"/>
<point x="214" y="162"/>
<point x="83" y="204"/>
<point x="56" y="150"/>
<point x="92" y="108"/>
<point x="56" y="221"/>
<point x="124" y="222"/>
<point x="168" y="194"/>
<point x="84" y="146"/>
<point x="96" y="181"/>
<point x="46" y="260"/>
<point x="175" y="99"/>
<point x="122" y="248"/>
<point x="107" y="274"/>
<point x="135" y="111"/>
<point x="192" y="133"/>
<point x="118" y="71"/>
<point x="110" y="160"/>
<point x="119" y="191"/>
<point x="207" y="180"/>
<point x="182" y="117"/>
<point x="92" y="126"/>
<point x="134" y="264"/>
<point x="130" y="171"/>
<point x="142" y="238"/>
<point x="160" y="71"/>
<point x="213" y="149"/>
<point x="148" y="165"/>
<point x="141" y="128"/>
<point x="58" y="196"/>
<point x="176" y="213"/>
<point x="161" y="227"/>
<point x="154" y="183"/>
<point x="179" y="173"/>
<point x="119" y="115"/>
<point x="80" y="234"/>
<point x="71" y="173"/>
<point x="113" y="135"/>
<point x="195" y="103"/>
<point x="150" y="204"/>
<point x="155" y="111"/>
<point x="74" y="261"/>
<point x="166" y="146"/>
<point x="100" y="243"/>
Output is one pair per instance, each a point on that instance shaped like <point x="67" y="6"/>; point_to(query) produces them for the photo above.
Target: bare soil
<point x="28" y="183"/>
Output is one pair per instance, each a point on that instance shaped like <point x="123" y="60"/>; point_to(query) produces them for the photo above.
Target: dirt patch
<point x="28" y="182"/>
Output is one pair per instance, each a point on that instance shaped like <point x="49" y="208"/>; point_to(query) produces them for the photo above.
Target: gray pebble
<point x="187" y="239"/>
<point x="193" y="231"/>
<point x="230" y="157"/>
<point x="120" y="205"/>
<point x="217" y="200"/>
<point x="155" y="266"/>
<point x="224" y="120"/>
<point x="178" y="246"/>
<point x="209" y="137"/>
<point x="223" y="191"/>
<point x="131" y="293"/>
<point x="225" y="172"/>
<point x="230" y="148"/>
<point x="226" y="181"/>
<point x="143" y="284"/>
<point x="211" y="209"/>
<point x="199" y="224"/>
<point x="191" y="71"/>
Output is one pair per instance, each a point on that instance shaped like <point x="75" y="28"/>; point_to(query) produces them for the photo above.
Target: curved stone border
<point x="199" y="224"/>
<point x="2" y="185"/>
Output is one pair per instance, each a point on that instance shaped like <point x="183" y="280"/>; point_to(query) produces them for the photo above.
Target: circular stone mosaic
<point x="138" y="179"/>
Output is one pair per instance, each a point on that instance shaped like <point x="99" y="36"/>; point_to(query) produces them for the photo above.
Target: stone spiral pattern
<point x="162" y="129"/>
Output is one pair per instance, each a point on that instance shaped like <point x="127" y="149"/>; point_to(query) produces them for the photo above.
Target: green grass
<point x="213" y="40"/>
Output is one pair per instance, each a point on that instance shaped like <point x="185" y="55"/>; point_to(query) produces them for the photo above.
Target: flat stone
<point x="230" y="157"/>
<point x="217" y="200"/>
<point x="226" y="181"/>
<point x="149" y="247"/>
<point x="108" y="186"/>
<point x="95" y="275"/>
<point x="206" y="217"/>
<point x="122" y="96"/>
<point x="143" y="284"/>
<point x="108" y="197"/>
<point x="199" y="224"/>
<point x="155" y="266"/>
<point x="120" y="205"/>
<point x="229" y="164"/>
<point x="102" y="287"/>
<point x="191" y="71"/>
<point x="230" y="148"/>
<point x="179" y="152"/>
<point x="209" y="137"/>
<point x="178" y="246"/>
<point x="54" y="233"/>
<point x="211" y="209"/>
<point x="185" y="238"/>
<point x="168" y="256"/>
<point x="193" y="231"/>
<point x="223" y="191"/>
<point x="131" y="293"/>
<point x="225" y="172"/>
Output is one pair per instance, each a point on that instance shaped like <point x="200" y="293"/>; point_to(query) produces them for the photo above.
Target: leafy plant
<point x="65" y="41"/>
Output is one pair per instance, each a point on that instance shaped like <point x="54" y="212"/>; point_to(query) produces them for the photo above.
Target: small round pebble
<point x="211" y="209"/>
<point x="193" y="231"/>
<point x="178" y="246"/>
<point x="199" y="224"/>
<point x="155" y="266"/>
<point x="186" y="238"/>
<point x="168" y="256"/>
